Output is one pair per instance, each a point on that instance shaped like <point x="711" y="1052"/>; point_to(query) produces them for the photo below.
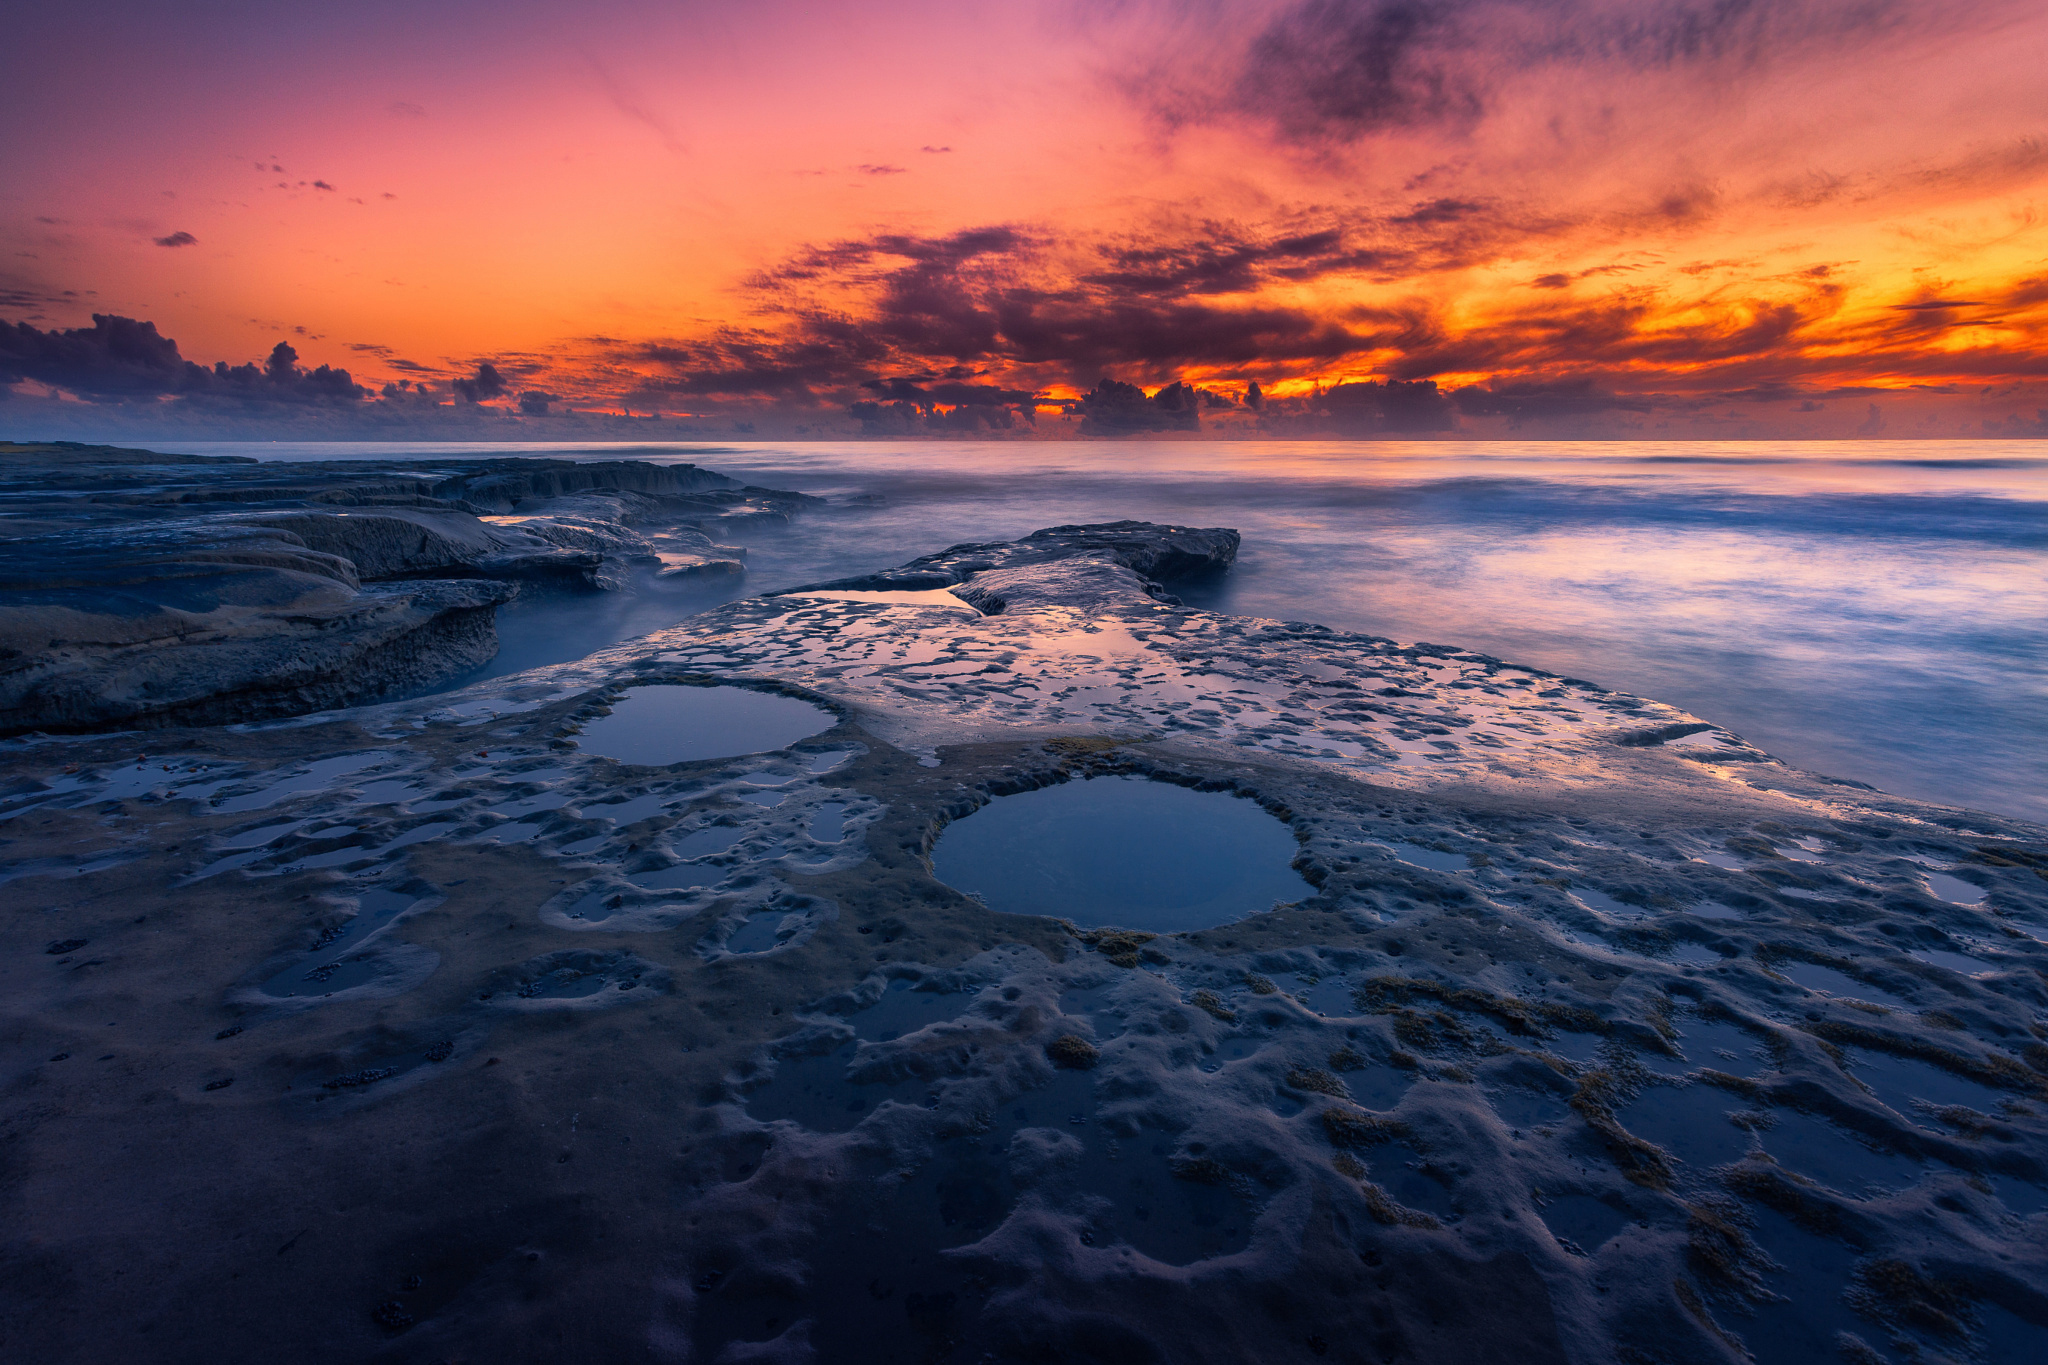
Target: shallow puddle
<point x="1801" y="1327"/>
<point x="1953" y="889"/>
<point x="1828" y="981"/>
<point x="681" y="877"/>
<point x="634" y="809"/>
<point x="1415" y="855"/>
<point x="1723" y="1046"/>
<point x="760" y="933"/>
<point x="1900" y="1081"/>
<point x="314" y="777"/>
<point x="669" y="723"/>
<point x="330" y="966"/>
<point x="1689" y="1121"/>
<point x="905" y="1009"/>
<point x="1955" y="962"/>
<point x="1122" y="851"/>
<point x="828" y="822"/>
<point x="1823" y="1152"/>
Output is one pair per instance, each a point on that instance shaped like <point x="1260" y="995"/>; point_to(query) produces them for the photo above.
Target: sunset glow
<point x="1583" y="217"/>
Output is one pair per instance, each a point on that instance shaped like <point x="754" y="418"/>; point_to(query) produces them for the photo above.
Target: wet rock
<point x="144" y="590"/>
<point x="1149" y="553"/>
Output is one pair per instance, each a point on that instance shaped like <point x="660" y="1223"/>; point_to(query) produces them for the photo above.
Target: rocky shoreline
<point x="150" y="590"/>
<point x="1599" y="1035"/>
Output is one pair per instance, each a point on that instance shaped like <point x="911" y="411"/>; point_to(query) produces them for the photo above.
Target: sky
<point x="1572" y="218"/>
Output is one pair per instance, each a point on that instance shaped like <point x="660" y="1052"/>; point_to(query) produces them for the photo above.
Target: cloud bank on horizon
<point x="1284" y="217"/>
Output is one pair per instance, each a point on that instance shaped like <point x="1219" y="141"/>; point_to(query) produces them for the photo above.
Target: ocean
<point x="1873" y="610"/>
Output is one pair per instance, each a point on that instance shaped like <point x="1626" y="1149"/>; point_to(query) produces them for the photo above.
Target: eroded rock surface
<point x="420" y="1033"/>
<point x="148" y="590"/>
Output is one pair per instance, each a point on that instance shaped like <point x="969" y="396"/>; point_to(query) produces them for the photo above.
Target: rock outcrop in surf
<point x="148" y="590"/>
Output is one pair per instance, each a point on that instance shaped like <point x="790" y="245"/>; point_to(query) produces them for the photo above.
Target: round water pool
<point x="669" y="723"/>
<point x="1122" y="851"/>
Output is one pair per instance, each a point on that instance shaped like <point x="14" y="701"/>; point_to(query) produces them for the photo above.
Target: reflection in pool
<point x="1125" y="851"/>
<point x="672" y="723"/>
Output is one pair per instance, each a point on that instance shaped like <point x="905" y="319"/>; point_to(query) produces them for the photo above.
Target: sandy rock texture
<point x="422" y="1033"/>
<point x="149" y="590"/>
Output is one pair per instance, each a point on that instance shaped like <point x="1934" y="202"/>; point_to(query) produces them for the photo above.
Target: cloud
<point x="405" y="109"/>
<point x="1340" y="68"/>
<point x="482" y="386"/>
<point x="872" y="169"/>
<point x="119" y="359"/>
<point x="1113" y="408"/>
<point x="1936" y="305"/>
<point x="629" y="103"/>
<point x="946" y="393"/>
<point x="177" y="239"/>
<point x="935" y="151"/>
<point x="1534" y="399"/>
<point x="1324" y="72"/>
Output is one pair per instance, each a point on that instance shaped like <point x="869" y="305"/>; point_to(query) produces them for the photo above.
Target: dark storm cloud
<point x="120" y="358"/>
<point x="177" y="239"/>
<point x="1331" y="71"/>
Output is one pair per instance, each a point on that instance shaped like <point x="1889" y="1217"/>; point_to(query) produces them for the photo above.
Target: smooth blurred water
<point x="1876" y="610"/>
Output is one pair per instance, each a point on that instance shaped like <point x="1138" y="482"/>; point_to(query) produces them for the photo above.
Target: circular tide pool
<point x="1122" y="851"/>
<point x="661" y="723"/>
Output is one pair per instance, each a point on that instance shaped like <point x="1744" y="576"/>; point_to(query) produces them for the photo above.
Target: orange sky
<point x="1593" y="218"/>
